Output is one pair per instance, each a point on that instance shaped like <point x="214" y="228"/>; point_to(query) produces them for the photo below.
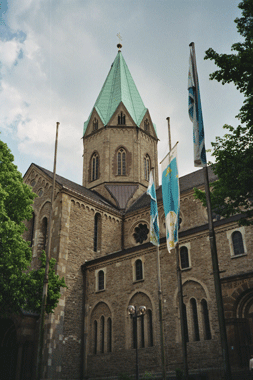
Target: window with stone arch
<point x="121" y="119"/>
<point x="95" y="124"/>
<point x="146" y="125"/>
<point x="102" y="334"/>
<point x="138" y="270"/>
<point x="95" y="336"/>
<point x="195" y="322"/>
<point x="206" y="321"/>
<point x="94" y="167"/>
<point x="184" y="257"/>
<point x="101" y="329"/>
<point x="109" y="335"/>
<point x="146" y="167"/>
<point x="145" y="331"/>
<point x="97" y="232"/>
<point x="121" y="161"/>
<point x="237" y="241"/>
<point x="101" y="280"/>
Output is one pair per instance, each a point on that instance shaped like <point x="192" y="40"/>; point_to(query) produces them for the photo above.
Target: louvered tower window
<point x="146" y="167"/>
<point x="94" y="166"/>
<point x="121" y="119"/>
<point x="146" y="125"/>
<point x="95" y="124"/>
<point x="121" y="156"/>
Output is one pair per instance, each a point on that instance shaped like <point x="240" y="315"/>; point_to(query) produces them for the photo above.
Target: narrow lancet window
<point x="121" y="157"/>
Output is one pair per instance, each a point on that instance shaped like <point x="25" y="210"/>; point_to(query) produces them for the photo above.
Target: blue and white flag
<point x="154" y="223"/>
<point x="195" y="111"/>
<point x="171" y="197"/>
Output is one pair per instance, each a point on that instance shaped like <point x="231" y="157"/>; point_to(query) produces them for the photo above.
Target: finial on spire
<point x="119" y="45"/>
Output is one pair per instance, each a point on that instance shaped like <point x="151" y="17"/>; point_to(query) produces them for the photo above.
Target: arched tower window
<point x="195" y="319"/>
<point x="121" y="119"/>
<point x="121" y="161"/>
<point x="94" y="166"/>
<point x="207" y="330"/>
<point x="146" y="167"/>
<point x="138" y="270"/>
<point x="97" y="232"/>
<point x="146" y="125"/>
<point x="95" y="124"/>
<point x="101" y="280"/>
<point x="237" y="243"/>
<point x="184" y="257"/>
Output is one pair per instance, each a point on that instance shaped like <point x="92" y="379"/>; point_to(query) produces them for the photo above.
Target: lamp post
<point x="134" y="313"/>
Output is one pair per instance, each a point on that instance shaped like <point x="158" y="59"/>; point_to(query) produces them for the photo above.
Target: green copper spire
<point x="118" y="87"/>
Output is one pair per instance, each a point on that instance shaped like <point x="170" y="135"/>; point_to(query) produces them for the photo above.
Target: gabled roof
<point x="78" y="189"/>
<point x="118" y="87"/>
<point x="187" y="182"/>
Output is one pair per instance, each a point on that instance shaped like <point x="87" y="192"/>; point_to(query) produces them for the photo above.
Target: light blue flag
<point x="154" y="223"/>
<point x="195" y="111"/>
<point x="171" y="197"/>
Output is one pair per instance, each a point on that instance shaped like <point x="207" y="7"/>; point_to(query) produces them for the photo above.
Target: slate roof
<point x="119" y="87"/>
<point x="186" y="182"/>
<point x="93" y="195"/>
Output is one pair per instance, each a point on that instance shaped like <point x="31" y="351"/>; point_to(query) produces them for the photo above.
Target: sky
<point x="55" y="56"/>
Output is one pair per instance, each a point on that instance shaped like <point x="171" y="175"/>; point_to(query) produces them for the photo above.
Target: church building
<point x="101" y="242"/>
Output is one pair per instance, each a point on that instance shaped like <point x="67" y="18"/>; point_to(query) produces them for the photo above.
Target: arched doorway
<point x="240" y="329"/>
<point x="8" y="349"/>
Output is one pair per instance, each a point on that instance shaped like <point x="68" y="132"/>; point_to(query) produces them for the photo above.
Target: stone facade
<point x="100" y="240"/>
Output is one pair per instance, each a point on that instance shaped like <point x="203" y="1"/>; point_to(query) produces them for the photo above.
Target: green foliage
<point x="34" y="293"/>
<point x="19" y="288"/>
<point x="232" y="193"/>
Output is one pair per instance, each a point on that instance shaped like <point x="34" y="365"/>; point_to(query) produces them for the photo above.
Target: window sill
<point x="99" y="291"/>
<point x="185" y="269"/>
<point x="235" y="256"/>
<point x="138" y="281"/>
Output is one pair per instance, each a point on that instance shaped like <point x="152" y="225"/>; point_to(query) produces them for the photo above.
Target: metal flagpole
<point x="45" y="284"/>
<point x="160" y="300"/>
<point x="180" y="292"/>
<point x="161" y="314"/>
<point x="216" y="272"/>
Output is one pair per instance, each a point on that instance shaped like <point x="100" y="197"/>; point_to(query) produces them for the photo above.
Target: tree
<point x="20" y="288"/>
<point x="232" y="193"/>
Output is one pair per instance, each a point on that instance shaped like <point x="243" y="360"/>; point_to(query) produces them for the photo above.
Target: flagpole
<point x="45" y="283"/>
<point x="215" y="263"/>
<point x="161" y="314"/>
<point x="180" y="291"/>
<point x="156" y="242"/>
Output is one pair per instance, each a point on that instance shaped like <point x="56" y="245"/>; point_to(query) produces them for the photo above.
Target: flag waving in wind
<point x="195" y="111"/>
<point x="171" y="197"/>
<point x="154" y="224"/>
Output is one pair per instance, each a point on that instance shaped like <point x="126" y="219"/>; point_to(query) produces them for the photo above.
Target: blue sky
<point x="55" y="56"/>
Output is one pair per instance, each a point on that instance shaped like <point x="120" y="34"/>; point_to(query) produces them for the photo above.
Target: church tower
<point x="119" y="140"/>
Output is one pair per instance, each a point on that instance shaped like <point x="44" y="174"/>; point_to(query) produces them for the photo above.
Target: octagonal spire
<point x="119" y="87"/>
